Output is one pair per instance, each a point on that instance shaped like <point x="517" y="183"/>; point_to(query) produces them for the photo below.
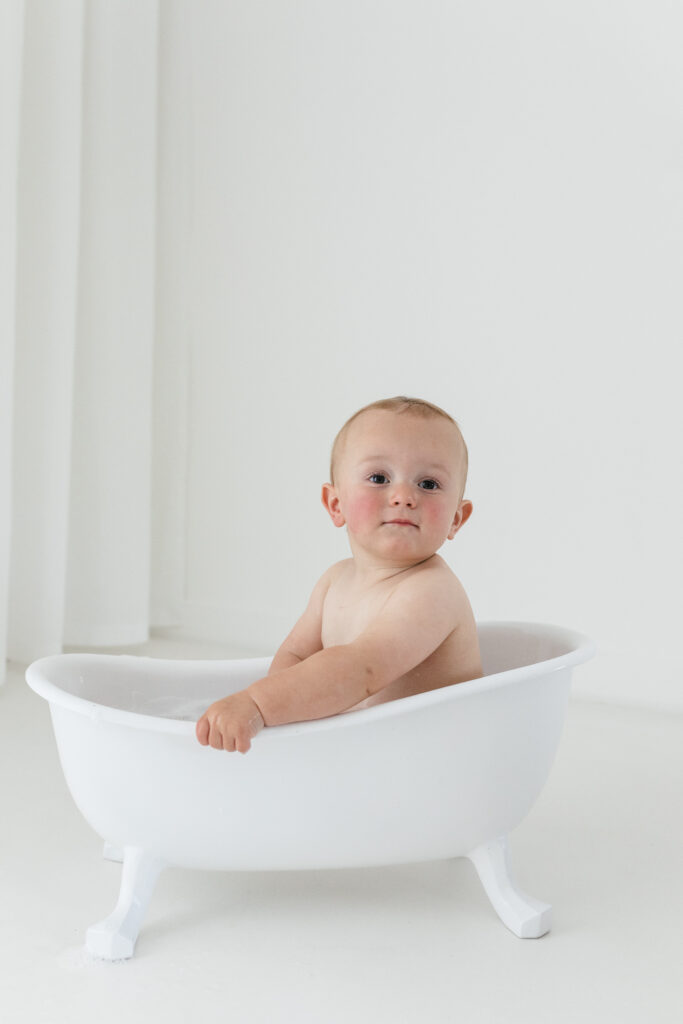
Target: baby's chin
<point x="405" y="543"/>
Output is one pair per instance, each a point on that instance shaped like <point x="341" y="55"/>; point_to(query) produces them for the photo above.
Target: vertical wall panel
<point x="109" y="549"/>
<point x="47" y="273"/>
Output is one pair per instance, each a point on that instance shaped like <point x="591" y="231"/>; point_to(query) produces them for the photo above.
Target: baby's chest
<point x="346" y="615"/>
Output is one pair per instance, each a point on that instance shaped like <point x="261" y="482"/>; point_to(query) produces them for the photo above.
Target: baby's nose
<point x="403" y="494"/>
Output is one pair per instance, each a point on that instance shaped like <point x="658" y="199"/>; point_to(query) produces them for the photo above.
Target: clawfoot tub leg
<point x="111" y="852"/>
<point x="527" y="917"/>
<point x="115" y="937"/>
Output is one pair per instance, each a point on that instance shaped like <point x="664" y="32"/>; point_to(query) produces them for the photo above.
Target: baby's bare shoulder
<point x="333" y="573"/>
<point x="434" y="573"/>
<point x="433" y="580"/>
<point x="329" y="579"/>
<point x="336" y="572"/>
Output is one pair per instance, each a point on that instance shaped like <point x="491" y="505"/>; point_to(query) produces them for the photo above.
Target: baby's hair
<point x="399" y="404"/>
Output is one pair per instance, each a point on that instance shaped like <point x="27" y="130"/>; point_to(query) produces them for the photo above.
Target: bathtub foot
<point x="111" y="852"/>
<point x="527" y="917"/>
<point x="115" y="937"/>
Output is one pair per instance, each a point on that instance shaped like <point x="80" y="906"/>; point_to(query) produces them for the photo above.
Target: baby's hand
<point x="230" y="724"/>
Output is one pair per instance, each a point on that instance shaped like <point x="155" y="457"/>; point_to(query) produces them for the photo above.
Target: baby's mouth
<point x="400" y="522"/>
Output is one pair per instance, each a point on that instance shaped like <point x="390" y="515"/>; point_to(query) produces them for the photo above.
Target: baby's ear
<point x="461" y="516"/>
<point x="330" y="500"/>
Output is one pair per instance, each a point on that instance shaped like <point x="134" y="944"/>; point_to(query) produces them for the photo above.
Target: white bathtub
<point x="442" y="774"/>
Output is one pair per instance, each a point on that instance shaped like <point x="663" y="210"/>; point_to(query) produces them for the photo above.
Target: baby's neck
<point x="368" y="571"/>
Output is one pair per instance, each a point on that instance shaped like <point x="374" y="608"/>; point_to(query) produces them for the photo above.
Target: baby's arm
<point x="413" y="622"/>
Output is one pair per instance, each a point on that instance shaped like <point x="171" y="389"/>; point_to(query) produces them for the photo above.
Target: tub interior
<point x="161" y="688"/>
<point x="182" y="690"/>
<point x="506" y="646"/>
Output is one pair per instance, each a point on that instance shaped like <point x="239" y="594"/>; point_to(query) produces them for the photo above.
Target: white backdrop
<point x="11" y="33"/>
<point x="481" y="204"/>
<point x="81" y="404"/>
<point x="237" y="223"/>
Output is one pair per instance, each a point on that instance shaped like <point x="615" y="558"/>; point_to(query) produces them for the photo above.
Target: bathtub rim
<point x="581" y="649"/>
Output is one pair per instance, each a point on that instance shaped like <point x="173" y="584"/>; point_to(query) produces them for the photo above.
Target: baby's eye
<point x="378" y="478"/>
<point x="429" y="485"/>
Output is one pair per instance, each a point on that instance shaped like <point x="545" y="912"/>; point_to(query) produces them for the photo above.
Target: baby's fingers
<point x="242" y="742"/>
<point x="202" y="731"/>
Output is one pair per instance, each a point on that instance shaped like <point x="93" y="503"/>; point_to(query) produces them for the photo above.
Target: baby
<point x="393" y="620"/>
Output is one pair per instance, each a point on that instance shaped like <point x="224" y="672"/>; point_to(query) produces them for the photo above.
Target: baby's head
<point x="397" y="479"/>
<point x="403" y="406"/>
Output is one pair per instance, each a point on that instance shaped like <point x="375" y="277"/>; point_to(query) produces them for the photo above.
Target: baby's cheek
<point x="436" y="515"/>
<point x="360" y="511"/>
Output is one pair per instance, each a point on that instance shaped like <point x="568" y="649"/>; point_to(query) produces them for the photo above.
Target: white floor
<point x="404" y="944"/>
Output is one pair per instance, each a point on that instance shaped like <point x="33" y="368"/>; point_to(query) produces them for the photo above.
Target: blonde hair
<point x="400" y="404"/>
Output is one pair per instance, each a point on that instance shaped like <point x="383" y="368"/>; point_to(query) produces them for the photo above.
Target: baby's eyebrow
<point x="441" y="473"/>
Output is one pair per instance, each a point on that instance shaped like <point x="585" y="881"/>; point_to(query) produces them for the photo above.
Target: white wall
<point x="480" y="204"/>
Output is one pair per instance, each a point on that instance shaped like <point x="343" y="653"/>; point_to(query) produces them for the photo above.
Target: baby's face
<point x="398" y="483"/>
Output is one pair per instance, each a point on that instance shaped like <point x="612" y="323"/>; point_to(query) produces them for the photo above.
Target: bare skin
<point x="348" y="609"/>
<point x="389" y="622"/>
